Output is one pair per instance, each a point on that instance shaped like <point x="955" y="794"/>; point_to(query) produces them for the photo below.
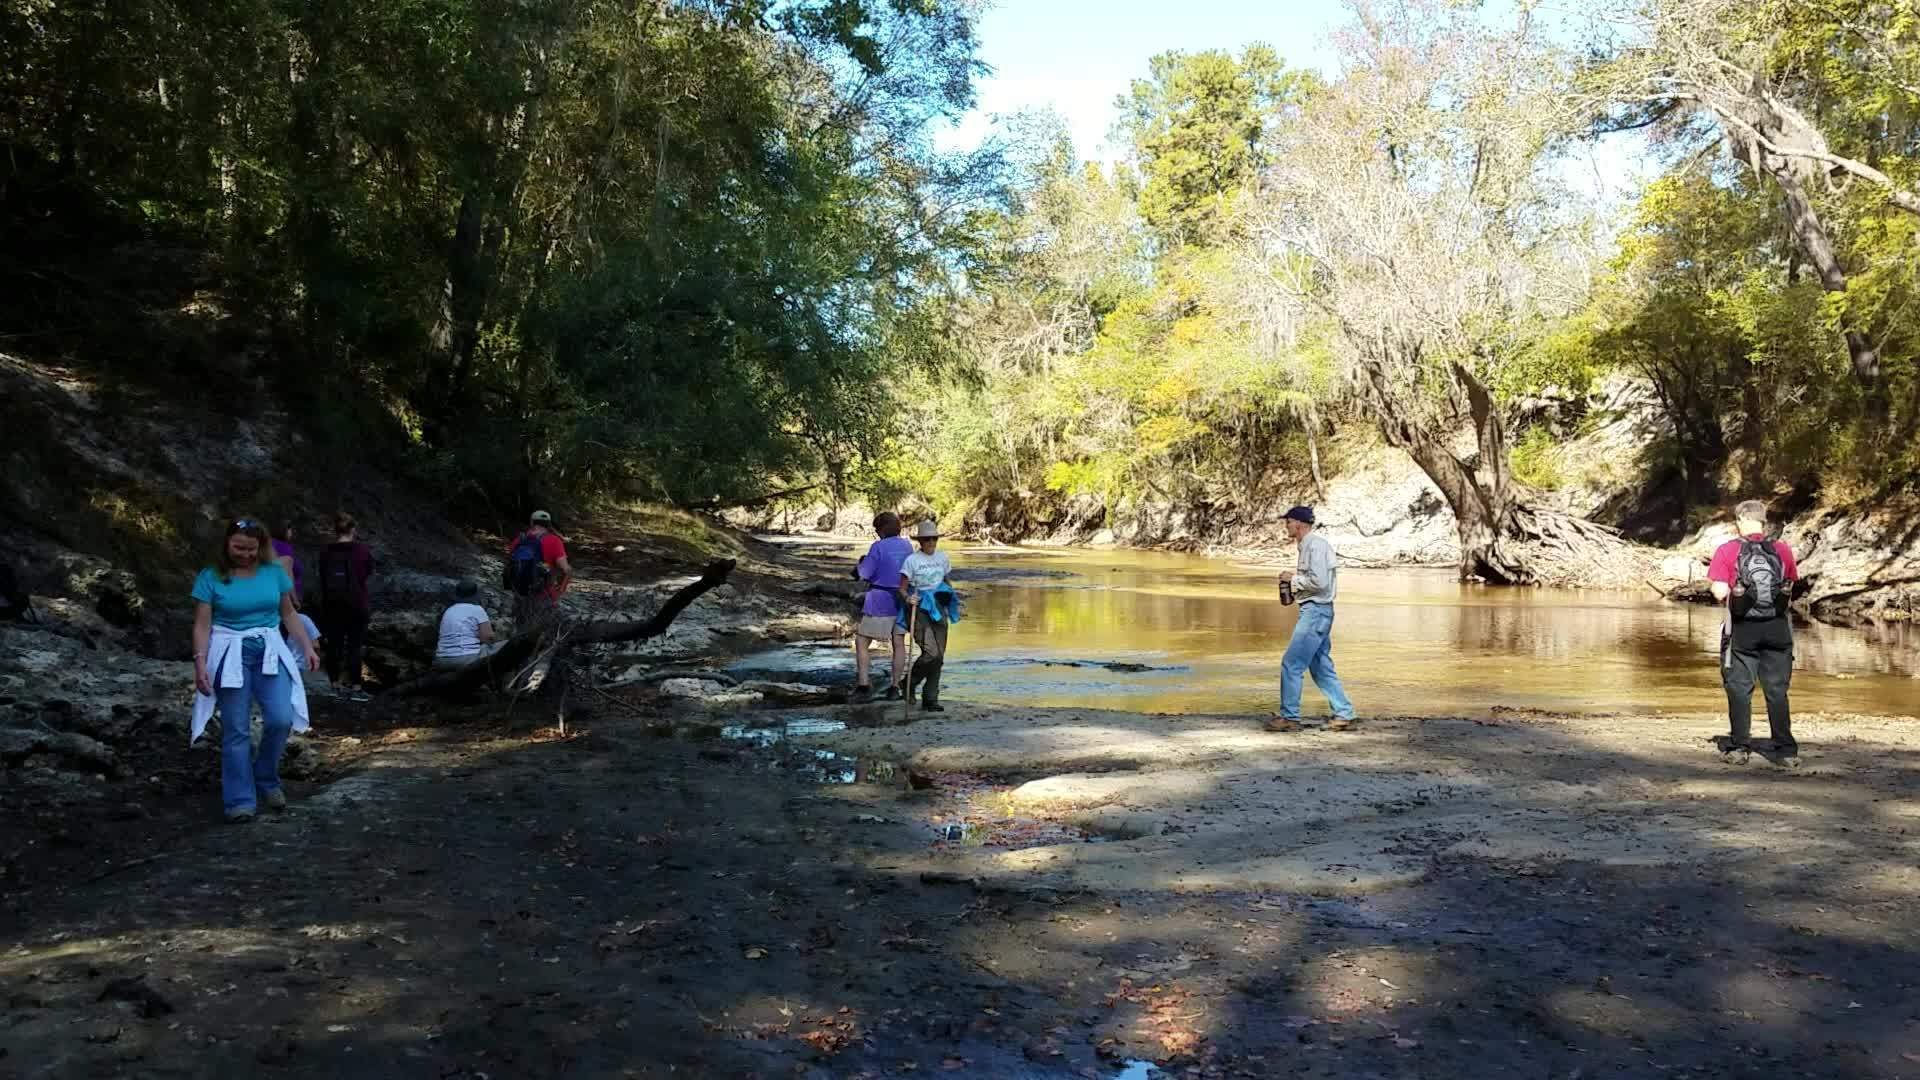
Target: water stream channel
<point x="1049" y="627"/>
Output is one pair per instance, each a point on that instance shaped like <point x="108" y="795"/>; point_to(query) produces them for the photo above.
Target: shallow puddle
<point x="966" y="810"/>
<point x="807" y="762"/>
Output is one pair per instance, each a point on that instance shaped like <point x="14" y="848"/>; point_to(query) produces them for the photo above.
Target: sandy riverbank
<point x="1510" y="894"/>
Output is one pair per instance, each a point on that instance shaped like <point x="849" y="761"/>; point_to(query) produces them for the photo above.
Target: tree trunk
<point x="1313" y="452"/>
<point x="1502" y="540"/>
<point x="1809" y="232"/>
<point x="1479" y="519"/>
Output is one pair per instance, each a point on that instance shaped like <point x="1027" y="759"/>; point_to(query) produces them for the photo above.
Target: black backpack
<point x="336" y="573"/>
<point x="1760" y="586"/>
<point x="526" y="572"/>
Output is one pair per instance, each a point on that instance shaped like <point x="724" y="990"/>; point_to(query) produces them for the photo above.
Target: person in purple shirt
<point x="289" y="560"/>
<point x="880" y="571"/>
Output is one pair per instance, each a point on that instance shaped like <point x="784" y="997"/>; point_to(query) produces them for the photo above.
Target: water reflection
<point x="1407" y="641"/>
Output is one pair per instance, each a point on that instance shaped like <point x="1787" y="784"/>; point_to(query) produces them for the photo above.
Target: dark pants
<point x="343" y="636"/>
<point x="534" y="609"/>
<point x="930" y="638"/>
<point x="1762" y="653"/>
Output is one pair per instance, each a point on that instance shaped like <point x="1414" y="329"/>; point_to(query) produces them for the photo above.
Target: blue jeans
<point x="1311" y="650"/>
<point x="242" y="770"/>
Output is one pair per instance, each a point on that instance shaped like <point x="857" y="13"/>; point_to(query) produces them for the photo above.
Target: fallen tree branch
<point x="746" y="504"/>
<point x="525" y="649"/>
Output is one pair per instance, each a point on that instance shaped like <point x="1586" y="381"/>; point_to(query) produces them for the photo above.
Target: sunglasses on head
<point x="246" y="523"/>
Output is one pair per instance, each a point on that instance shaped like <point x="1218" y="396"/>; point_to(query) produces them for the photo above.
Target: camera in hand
<point x="1286" y="591"/>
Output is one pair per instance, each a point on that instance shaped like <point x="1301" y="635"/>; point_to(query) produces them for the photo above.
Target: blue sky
<point x="1078" y="55"/>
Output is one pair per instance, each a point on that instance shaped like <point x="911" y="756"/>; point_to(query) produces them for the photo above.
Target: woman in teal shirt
<point x="239" y="658"/>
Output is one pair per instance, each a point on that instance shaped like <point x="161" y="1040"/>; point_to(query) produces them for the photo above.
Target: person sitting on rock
<point x="466" y="630"/>
<point x="931" y="607"/>
<point x="239" y="660"/>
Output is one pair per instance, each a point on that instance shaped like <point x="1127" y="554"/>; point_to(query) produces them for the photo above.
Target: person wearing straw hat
<point x="932" y="606"/>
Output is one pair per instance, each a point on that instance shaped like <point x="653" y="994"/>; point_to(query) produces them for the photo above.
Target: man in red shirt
<point x="1754" y="577"/>
<point x="538" y="570"/>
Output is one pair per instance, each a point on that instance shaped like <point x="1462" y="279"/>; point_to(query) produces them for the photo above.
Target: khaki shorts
<point x="880" y="627"/>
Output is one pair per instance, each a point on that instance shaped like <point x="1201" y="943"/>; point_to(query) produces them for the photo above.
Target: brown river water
<point x="1041" y="623"/>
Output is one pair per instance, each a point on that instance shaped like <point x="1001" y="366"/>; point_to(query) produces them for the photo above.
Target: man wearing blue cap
<point x="1311" y="649"/>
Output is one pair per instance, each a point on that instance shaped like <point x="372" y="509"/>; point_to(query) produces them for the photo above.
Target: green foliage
<point x="1201" y="126"/>
<point x="670" y="245"/>
<point x="1535" y="460"/>
<point x="1707" y="300"/>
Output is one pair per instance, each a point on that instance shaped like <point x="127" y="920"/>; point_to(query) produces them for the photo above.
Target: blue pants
<point x="242" y="770"/>
<point x="1311" y="650"/>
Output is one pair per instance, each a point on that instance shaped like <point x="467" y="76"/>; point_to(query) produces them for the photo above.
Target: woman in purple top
<point x="289" y="560"/>
<point x="880" y="570"/>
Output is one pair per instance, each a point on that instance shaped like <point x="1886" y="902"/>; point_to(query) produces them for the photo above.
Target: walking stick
<point x="906" y="698"/>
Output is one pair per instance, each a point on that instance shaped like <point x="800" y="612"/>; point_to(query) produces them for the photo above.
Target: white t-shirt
<point x="924" y="571"/>
<point x="313" y="632"/>
<point x="460" y="631"/>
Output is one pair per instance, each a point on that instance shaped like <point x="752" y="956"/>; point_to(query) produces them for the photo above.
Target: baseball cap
<point x="1302" y="514"/>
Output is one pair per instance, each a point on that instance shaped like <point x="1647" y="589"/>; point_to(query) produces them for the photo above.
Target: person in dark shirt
<point x="346" y="607"/>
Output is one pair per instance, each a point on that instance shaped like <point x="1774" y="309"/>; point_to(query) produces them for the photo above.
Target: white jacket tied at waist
<point x="224" y="664"/>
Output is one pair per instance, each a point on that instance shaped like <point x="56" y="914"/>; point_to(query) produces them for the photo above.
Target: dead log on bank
<point x="537" y="646"/>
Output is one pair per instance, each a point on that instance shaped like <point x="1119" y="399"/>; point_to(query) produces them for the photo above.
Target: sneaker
<point x="932" y="706"/>
<point x="893" y="693"/>
<point x="861" y="693"/>
<point x="241" y="816"/>
<point x="276" y="800"/>
<point x="1281" y="724"/>
<point x="359" y="696"/>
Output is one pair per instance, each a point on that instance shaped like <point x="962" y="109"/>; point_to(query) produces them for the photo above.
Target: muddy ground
<point x="1520" y="896"/>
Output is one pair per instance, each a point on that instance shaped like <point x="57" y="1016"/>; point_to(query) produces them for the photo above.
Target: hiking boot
<point x="1337" y="724"/>
<point x="240" y="816"/>
<point x="932" y="706"/>
<point x="1281" y="723"/>
<point x="276" y="800"/>
<point x="860" y="694"/>
<point x="893" y="692"/>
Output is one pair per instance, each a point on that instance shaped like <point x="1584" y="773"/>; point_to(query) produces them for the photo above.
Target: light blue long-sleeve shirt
<point x="1314" y="578"/>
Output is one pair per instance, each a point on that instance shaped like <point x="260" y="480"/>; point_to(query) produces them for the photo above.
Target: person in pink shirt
<point x="1754" y="577"/>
